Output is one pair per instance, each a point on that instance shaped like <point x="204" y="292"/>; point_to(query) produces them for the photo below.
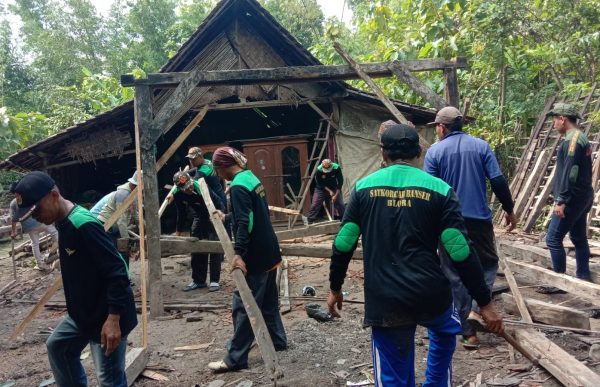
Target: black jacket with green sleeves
<point x="403" y="214"/>
<point x="332" y="180"/>
<point x="573" y="176"/>
<point x="94" y="274"/>
<point x="255" y="239"/>
<point x="195" y="201"/>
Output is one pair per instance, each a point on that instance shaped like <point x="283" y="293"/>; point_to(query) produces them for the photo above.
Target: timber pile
<point x="531" y="262"/>
<point x="531" y="185"/>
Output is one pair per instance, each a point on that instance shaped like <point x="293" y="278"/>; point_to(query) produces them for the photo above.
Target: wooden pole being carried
<point x="261" y="333"/>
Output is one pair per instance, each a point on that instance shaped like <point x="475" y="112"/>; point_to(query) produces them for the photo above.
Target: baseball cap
<point x="564" y="109"/>
<point x="182" y="180"/>
<point x="133" y="179"/>
<point x="399" y="137"/>
<point x="447" y="115"/>
<point x="194" y="152"/>
<point x="32" y="188"/>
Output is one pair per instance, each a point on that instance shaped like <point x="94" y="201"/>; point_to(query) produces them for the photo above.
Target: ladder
<point x="317" y="152"/>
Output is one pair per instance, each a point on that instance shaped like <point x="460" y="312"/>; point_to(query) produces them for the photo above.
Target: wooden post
<point x="451" y="87"/>
<point x="147" y="164"/>
<point x="261" y="333"/>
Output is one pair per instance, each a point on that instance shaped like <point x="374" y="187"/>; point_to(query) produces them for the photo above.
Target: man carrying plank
<point x="256" y="254"/>
<point x="402" y="214"/>
<point x="101" y="310"/>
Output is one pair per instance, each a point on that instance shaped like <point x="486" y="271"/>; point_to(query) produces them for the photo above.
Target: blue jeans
<point x="64" y="349"/>
<point x="574" y="223"/>
<point x="394" y="352"/>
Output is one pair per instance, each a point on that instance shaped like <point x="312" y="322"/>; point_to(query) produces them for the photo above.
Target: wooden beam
<point x="285" y="300"/>
<point x="584" y="289"/>
<point x="557" y="361"/>
<point x="74" y="162"/>
<point x="514" y="288"/>
<point x="313" y="229"/>
<point x="365" y="77"/>
<point x="145" y="134"/>
<point x="181" y="137"/>
<point x="323" y="115"/>
<point x="404" y="75"/>
<point x="284" y="210"/>
<point x="135" y="362"/>
<point x="541" y="256"/>
<point x="451" y="87"/>
<point x="291" y="74"/>
<point x="547" y="313"/>
<point x="37" y="308"/>
<point x="180" y="246"/>
<point x="255" y="317"/>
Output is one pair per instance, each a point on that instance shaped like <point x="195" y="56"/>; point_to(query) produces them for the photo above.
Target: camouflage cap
<point x="194" y="152"/>
<point x="564" y="109"/>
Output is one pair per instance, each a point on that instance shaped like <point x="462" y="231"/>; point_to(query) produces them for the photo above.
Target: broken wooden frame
<point x="195" y="85"/>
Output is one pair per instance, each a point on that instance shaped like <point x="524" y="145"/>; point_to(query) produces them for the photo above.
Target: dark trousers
<point x="320" y="196"/>
<point x="481" y="234"/>
<point x="574" y="223"/>
<point x="264" y="290"/>
<point x="200" y="261"/>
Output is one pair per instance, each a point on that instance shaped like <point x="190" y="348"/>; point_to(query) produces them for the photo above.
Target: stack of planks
<point x="532" y="182"/>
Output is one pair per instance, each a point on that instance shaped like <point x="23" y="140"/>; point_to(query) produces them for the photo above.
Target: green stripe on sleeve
<point x="250" y="221"/>
<point x="455" y="244"/>
<point x="347" y="237"/>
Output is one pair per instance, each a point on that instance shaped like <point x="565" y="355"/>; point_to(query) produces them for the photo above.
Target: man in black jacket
<point x="186" y="193"/>
<point x="328" y="189"/>
<point x="257" y="254"/>
<point x="402" y="214"/>
<point x="101" y="310"/>
<point x="572" y="191"/>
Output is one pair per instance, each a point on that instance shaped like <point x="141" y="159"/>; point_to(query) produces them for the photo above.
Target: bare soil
<point x="319" y="354"/>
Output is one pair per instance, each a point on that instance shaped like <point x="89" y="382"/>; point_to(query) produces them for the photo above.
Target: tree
<point x="303" y="18"/>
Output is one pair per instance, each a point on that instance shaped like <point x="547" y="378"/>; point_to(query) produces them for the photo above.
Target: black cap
<point x="32" y="188"/>
<point x="399" y="137"/>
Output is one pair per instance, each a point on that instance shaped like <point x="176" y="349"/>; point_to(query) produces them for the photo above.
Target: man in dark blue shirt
<point x="465" y="162"/>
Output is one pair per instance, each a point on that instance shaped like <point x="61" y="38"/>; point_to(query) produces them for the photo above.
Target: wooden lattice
<point x="90" y="147"/>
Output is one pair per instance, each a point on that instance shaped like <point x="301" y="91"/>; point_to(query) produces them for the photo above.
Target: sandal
<point x="470" y="343"/>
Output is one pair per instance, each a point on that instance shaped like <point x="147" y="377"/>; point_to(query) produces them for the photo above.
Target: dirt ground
<point x="319" y="354"/>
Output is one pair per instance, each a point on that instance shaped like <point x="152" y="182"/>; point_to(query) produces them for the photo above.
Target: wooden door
<point x="263" y="161"/>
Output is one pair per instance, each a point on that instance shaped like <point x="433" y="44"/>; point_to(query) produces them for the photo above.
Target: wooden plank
<point x="313" y="229"/>
<point x="365" y="77"/>
<point x="539" y="204"/>
<point x="555" y="360"/>
<point x="529" y="186"/>
<point x="583" y="289"/>
<point x="402" y="73"/>
<point x="284" y="210"/>
<point x="138" y="111"/>
<point x="261" y="333"/>
<point x="541" y="256"/>
<point x="181" y="137"/>
<point x="181" y="246"/>
<point x="514" y="288"/>
<point x="37" y="308"/>
<point x="135" y="362"/>
<point x="547" y="313"/>
<point x="324" y="116"/>
<point x="291" y="74"/>
<point x="148" y="202"/>
<point x="285" y="300"/>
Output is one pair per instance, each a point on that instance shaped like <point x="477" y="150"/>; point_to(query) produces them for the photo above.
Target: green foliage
<point x="302" y="18"/>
